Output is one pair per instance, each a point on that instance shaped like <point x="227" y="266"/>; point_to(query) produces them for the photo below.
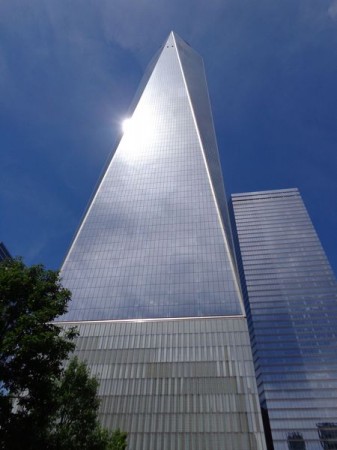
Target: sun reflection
<point x="138" y="134"/>
<point x="126" y="124"/>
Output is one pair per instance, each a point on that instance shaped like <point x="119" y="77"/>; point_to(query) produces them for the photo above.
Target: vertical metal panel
<point x="172" y="399"/>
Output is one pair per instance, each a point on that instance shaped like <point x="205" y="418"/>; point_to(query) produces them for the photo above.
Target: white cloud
<point x="332" y="11"/>
<point x="141" y="24"/>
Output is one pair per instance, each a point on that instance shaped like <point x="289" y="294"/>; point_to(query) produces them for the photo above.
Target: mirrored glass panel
<point x="155" y="240"/>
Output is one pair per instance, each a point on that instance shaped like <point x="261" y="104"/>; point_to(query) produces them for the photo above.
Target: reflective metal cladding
<point x="156" y="241"/>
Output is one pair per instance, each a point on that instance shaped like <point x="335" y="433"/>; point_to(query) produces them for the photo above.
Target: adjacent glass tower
<point x="154" y="281"/>
<point x="291" y="302"/>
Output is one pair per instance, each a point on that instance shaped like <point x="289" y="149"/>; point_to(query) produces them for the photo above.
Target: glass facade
<point x="4" y="253"/>
<point x="291" y="302"/>
<point x="156" y="241"/>
<point x="152" y="272"/>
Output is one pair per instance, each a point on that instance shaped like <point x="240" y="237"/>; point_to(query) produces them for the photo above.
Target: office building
<point x="290" y="296"/>
<point x="156" y="295"/>
<point x="4" y="253"/>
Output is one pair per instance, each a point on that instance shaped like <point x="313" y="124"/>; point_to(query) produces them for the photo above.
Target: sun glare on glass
<point x="138" y="133"/>
<point x="126" y="124"/>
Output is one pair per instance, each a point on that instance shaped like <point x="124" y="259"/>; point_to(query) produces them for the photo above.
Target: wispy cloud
<point x="68" y="71"/>
<point x="332" y="11"/>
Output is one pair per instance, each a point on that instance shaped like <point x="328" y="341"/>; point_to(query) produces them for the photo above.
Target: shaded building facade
<point x="290" y="296"/>
<point x="156" y="294"/>
<point x="4" y="253"/>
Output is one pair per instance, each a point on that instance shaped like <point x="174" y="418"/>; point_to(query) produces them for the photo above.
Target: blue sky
<point x="69" y="70"/>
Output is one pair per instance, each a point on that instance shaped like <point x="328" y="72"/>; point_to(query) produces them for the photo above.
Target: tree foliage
<point x="77" y="411"/>
<point x="43" y="404"/>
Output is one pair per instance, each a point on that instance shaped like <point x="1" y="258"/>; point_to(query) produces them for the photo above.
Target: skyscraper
<point x="153" y="275"/>
<point x="4" y="253"/>
<point x="291" y="301"/>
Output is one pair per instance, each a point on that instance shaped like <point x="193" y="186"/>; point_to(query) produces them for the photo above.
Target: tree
<point x="38" y="405"/>
<point x="77" y="411"/>
<point x="32" y="350"/>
